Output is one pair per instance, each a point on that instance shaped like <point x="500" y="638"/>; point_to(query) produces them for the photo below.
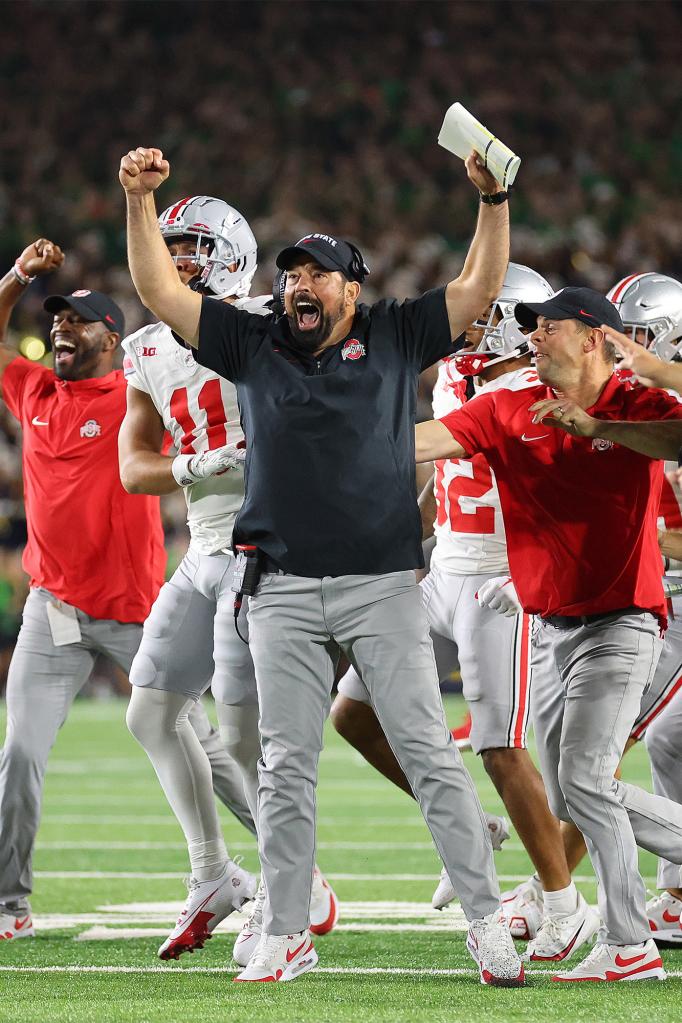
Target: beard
<point x="82" y="365"/>
<point x="313" y="338"/>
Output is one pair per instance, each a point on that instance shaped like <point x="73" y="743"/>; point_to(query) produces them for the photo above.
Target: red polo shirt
<point x="580" y="514"/>
<point x="89" y="542"/>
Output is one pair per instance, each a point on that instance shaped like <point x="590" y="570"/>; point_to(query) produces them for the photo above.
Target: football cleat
<point x="523" y="909"/>
<point x="499" y="833"/>
<point x="462" y="734"/>
<point x="15" y="924"/>
<point x="324" y="906"/>
<point x="492" y="948"/>
<point x="207" y="903"/>
<point x="280" y="957"/>
<point x="249" y="936"/>
<point x="618" y="962"/>
<point x="559" y="937"/>
<point x="664" y="913"/>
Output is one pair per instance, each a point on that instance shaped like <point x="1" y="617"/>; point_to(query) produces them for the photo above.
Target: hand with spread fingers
<point x="143" y="170"/>
<point x="566" y="415"/>
<point x="647" y="367"/>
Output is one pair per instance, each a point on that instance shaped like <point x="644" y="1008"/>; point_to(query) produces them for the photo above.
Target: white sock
<point x="563" y="902"/>
<point x="159" y="722"/>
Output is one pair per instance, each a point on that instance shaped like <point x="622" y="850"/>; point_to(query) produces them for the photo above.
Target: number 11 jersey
<point x="200" y="412"/>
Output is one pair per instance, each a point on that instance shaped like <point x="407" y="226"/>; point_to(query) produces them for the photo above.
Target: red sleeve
<point x="475" y="425"/>
<point x="652" y="403"/>
<point x="17" y="378"/>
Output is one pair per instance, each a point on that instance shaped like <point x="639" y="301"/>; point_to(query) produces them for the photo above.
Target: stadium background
<point x="323" y="115"/>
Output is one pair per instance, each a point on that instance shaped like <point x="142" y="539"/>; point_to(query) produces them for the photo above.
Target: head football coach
<point x="327" y="393"/>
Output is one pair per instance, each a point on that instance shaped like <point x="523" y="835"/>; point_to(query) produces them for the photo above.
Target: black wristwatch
<point x="494" y="200"/>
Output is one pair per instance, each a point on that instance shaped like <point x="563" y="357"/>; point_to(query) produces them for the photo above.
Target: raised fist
<point x="40" y="257"/>
<point x="143" y="170"/>
<point x="480" y="176"/>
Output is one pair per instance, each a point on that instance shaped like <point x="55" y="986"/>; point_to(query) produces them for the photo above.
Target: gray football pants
<point x="664" y="745"/>
<point x="296" y="627"/>
<point x="588" y="685"/>
<point x="42" y="683"/>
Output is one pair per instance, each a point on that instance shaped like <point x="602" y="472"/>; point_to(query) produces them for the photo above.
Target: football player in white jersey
<point x="494" y="651"/>
<point x="650" y="306"/>
<point x="191" y="639"/>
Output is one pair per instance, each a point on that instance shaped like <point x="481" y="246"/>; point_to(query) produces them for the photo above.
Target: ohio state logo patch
<point x="91" y="428"/>
<point x="353" y="349"/>
<point x="601" y="444"/>
<point x="81" y="294"/>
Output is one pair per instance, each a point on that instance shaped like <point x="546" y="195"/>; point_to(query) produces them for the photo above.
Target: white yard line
<point x="356" y="971"/>
<point x="133" y="875"/>
<point x="87" y="844"/>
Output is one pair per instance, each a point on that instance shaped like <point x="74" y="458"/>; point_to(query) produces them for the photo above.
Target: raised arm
<point x="647" y="367"/>
<point x="480" y="281"/>
<point x="433" y="440"/>
<point x="40" y="257"/>
<point x="151" y="267"/>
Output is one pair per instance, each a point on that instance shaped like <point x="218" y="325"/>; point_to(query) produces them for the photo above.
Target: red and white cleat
<point x="462" y="734"/>
<point x="280" y="957"/>
<point x="15" y="925"/>
<point x="324" y="906"/>
<point x="560" y="937"/>
<point x="618" y="962"/>
<point x="664" y="912"/>
<point x="249" y="936"/>
<point x="523" y="908"/>
<point x="208" y="902"/>
<point x="492" y="948"/>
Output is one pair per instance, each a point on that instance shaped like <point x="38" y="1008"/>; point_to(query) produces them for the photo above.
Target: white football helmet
<point x="230" y="239"/>
<point x="651" y="303"/>
<point x="502" y="337"/>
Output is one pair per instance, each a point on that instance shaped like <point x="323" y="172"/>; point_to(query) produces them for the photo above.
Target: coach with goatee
<point x="328" y="395"/>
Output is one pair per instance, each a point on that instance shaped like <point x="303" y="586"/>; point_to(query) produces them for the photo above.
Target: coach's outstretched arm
<point x="433" y="440"/>
<point x="152" y="269"/>
<point x="482" y="276"/>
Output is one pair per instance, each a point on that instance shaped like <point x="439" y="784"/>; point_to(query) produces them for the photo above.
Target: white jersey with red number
<point x="470" y="537"/>
<point x="199" y="409"/>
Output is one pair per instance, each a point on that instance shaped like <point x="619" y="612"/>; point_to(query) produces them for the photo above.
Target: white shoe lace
<point x="268" y="948"/>
<point x="256" y="914"/>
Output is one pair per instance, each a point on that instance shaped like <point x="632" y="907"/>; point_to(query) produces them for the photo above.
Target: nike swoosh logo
<point x="622" y="961"/>
<point x="38" y="422"/>
<point x="670" y="918"/>
<point x="540" y="437"/>
<point x="292" y="955"/>
<point x="20" y="924"/>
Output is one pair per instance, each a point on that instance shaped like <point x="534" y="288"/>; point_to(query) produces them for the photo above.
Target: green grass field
<point x="109" y="867"/>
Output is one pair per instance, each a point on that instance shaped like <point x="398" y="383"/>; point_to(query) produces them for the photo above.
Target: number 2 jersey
<point x="200" y="412"/>
<point x="470" y="537"/>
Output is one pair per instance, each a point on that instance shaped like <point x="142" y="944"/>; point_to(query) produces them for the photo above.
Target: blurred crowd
<point x="324" y="115"/>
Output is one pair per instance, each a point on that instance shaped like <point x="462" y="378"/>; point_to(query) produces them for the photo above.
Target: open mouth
<point x="307" y="314"/>
<point x="64" y="350"/>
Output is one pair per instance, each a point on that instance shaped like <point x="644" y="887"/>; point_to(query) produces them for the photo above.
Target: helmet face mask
<point x="227" y="268"/>
<point x="650" y="306"/>
<point x="502" y="337"/>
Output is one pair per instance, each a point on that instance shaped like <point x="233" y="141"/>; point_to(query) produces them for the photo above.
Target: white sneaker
<point x="560" y="937"/>
<point x="324" y="906"/>
<point x="523" y="909"/>
<point x="492" y="949"/>
<point x="499" y="833"/>
<point x="249" y="936"/>
<point x="280" y="957"/>
<point x="207" y="903"/>
<point x="618" y="962"/>
<point x="664" y="913"/>
<point x="15" y="924"/>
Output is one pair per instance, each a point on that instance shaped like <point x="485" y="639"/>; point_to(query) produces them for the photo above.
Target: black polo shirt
<point x="330" y="470"/>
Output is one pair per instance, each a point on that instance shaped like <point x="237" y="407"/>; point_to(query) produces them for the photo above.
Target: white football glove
<point x="188" y="469"/>
<point x="499" y="594"/>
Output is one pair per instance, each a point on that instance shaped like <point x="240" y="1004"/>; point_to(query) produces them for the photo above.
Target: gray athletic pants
<point x="588" y="684"/>
<point x="296" y="627"/>
<point x="664" y="745"/>
<point x="42" y="683"/>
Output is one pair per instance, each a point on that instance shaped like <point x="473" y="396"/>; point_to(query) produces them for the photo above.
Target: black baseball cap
<point x="331" y="253"/>
<point x="92" y="306"/>
<point x="584" y="304"/>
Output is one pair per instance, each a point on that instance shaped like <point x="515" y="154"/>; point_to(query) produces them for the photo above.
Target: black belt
<point x="575" y="621"/>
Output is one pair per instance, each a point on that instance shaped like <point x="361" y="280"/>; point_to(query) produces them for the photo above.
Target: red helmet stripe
<point x="620" y="288"/>
<point x="172" y="214"/>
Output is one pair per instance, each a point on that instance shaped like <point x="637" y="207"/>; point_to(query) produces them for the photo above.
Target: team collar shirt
<point x="330" y="470"/>
<point x="90" y="543"/>
<point x="580" y="513"/>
